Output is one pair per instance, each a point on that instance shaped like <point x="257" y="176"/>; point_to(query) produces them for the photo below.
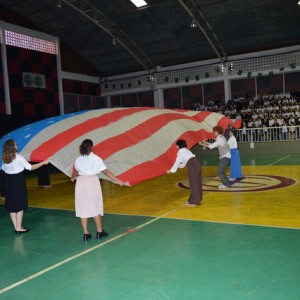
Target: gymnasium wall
<point x="146" y="98"/>
<point x="183" y="97"/>
<point x="139" y="99"/>
<point x="79" y="95"/>
<point x="81" y="88"/>
<point x="242" y="87"/>
<point x="2" y="97"/>
<point x="266" y="84"/>
<point x="172" y="98"/>
<point x="29" y="101"/>
<point x="191" y="94"/>
<point x="214" y="90"/>
<point x="292" y="81"/>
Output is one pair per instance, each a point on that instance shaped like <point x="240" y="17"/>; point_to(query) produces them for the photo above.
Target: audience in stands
<point x="271" y="116"/>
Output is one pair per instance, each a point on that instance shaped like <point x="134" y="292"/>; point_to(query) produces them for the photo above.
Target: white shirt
<point x="284" y="129"/>
<point x="17" y="165"/>
<point x="220" y="142"/>
<point x="232" y="143"/>
<point x="183" y="156"/>
<point x="89" y="164"/>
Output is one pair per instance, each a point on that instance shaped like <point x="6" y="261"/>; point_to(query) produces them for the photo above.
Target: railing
<point x="256" y="66"/>
<point x="268" y="134"/>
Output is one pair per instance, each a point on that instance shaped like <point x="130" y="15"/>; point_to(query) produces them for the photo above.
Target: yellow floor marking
<point x="280" y="207"/>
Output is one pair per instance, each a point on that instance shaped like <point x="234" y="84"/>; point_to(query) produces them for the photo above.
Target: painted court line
<point x="12" y="286"/>
<point x="233" y="223"/>
<point x="278" y="160"/>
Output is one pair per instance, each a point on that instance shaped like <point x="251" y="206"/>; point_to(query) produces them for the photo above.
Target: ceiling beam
<point x="95" y="15"/>
<point x="195" y="13"/>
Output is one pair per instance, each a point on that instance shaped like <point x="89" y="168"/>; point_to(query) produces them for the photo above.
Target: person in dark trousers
<point x="224" y="154"/>
<point x="186" y="158"/>
<point x="44" y="177"/>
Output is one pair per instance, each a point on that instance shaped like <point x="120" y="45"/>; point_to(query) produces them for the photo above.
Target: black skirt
<point x="2" y="188"/>
<point x="15" y="192"/>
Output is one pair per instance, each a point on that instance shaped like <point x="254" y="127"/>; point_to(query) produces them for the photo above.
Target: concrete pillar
<point x="159" y="98"/>
<point x="108" y="101"/>
<point x="5" y="71"/>
<point x="227" y="91"/>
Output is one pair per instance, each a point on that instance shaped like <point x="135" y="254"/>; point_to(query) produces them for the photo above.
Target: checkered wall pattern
<point x="29" y="101"/>
<point x="2" y="96"/>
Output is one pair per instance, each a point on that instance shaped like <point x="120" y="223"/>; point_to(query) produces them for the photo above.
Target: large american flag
<point x="136" y="143"/>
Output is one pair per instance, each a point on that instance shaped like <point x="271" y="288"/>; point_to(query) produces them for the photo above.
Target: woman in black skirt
<point x="186" y="158"/>
<point x="13" y="165"/>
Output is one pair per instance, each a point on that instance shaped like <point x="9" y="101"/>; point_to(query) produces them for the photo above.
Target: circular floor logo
<point x="248" y="183"/>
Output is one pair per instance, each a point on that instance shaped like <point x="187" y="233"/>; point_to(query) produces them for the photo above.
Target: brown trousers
<point x="195" y="178"/>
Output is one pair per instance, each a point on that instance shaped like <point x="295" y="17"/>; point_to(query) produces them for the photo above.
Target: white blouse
<point x="17" y="165"/>
<point x="89" y="164"/>
<point x="183" y="156"/>
<point x="232" y="143"/>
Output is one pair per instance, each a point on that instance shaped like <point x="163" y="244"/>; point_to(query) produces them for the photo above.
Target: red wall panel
<point x="172" y="98"/>
<point x="81" y="88"/>
<point x="292" y="81"/>
<point x="29" y="101"/>
<point x="213" y="90"/>
<point x="129" y="100"/>
<point x="191" y="94"/>
<point x="244" y="86"/>
<point x="266" y="84"/>
<point x="146" y="98"/>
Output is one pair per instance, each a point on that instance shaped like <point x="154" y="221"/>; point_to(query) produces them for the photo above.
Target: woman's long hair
<point x="9" y="151"/>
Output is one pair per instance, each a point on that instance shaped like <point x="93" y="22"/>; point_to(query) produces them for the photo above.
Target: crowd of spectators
<point x="272" y="115"/>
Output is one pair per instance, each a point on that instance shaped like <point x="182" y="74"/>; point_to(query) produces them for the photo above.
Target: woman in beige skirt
<point x="88" y="194"/>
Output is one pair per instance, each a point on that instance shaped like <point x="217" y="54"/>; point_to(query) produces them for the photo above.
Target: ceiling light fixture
<point x="59" y="4"/>
<point x="298" y="2"/>
<point x="194" y="24"/>
<point x="150" y="78"/>
<point x="139" y="3"/>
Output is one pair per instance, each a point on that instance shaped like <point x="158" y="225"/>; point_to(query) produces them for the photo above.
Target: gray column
<point x="5" y="70"/>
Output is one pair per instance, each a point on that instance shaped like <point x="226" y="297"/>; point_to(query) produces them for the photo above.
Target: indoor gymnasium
<point x="150" y="149"/>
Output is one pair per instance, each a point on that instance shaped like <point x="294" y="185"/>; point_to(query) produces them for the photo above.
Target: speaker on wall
<point x="34" y="80"/>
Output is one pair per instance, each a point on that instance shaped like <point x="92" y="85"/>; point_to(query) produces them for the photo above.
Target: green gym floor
<point x="160" y="249"/>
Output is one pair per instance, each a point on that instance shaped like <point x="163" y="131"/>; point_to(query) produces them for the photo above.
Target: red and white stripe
<point x="136" y="143"/>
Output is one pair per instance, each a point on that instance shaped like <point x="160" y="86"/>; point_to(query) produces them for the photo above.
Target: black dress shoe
<point x="101" y="234"/>
<point x="86" y="237"/>
<point x="23" y="231"/>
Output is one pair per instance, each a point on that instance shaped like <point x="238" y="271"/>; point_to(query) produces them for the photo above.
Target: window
<point x="29" y="42"/>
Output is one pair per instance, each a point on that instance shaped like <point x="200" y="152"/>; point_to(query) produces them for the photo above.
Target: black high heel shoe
<point x="86" y="237"/>
<point x="21" y="232"/>
<point x="101" y="234"/>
